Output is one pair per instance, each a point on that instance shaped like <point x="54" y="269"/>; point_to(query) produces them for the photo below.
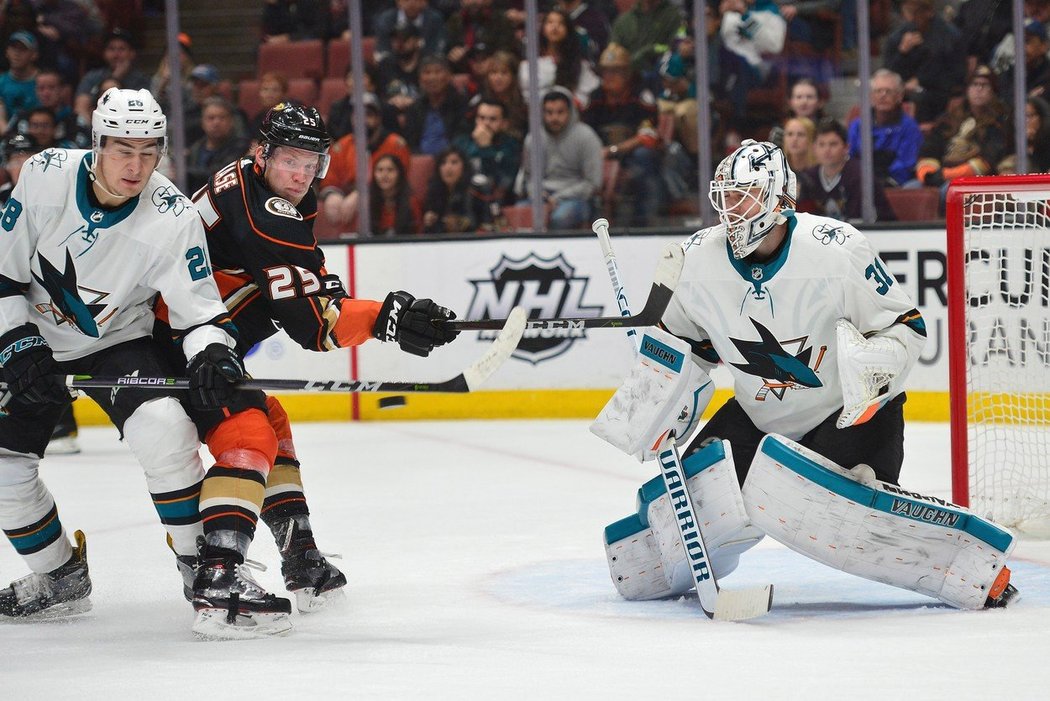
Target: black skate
<point x="315" y="582"/>
<point x="61" y="592"/>
<point x="1001" y="593"/>
<point x="230" y="604"/>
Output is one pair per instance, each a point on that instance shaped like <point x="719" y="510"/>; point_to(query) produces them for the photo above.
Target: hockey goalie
<point x="818" y="338"/>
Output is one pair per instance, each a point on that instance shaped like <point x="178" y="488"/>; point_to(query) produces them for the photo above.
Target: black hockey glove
<point x="29" y="367"/>
<point x="411" y="322"/>
<point x="935" y="178"/>
<point x="333" y="287"/>
<point x="214" y="372"/>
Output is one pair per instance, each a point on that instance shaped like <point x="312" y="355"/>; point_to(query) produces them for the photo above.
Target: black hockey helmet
<point x="294" y="124"/>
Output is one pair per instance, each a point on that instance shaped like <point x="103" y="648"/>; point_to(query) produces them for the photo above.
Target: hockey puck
<point x="391" y="402"/>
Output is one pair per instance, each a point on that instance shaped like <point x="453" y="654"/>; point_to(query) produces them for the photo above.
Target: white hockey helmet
<point x="758" y="172"/>
<point x="132" y="114"/>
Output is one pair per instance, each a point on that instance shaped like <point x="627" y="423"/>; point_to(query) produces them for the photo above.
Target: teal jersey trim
<point x="760" y="273"/>
<point x="942" y="514"/>
<point x="655" y="488"/>
<point x="98" y="217"/>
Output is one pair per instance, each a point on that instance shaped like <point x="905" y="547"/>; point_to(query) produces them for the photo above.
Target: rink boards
<point x="566" y="373"/>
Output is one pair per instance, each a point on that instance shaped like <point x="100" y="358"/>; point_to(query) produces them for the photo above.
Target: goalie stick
<point x="668" y="269"/>
<point x="467" y="381"/>
<point x="717" y="603"/>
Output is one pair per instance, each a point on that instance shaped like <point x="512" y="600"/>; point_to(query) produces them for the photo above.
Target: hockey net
<point x="999" y="348"/>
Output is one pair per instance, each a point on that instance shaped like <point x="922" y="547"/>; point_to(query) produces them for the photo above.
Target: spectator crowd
<point x="446" y="88"/>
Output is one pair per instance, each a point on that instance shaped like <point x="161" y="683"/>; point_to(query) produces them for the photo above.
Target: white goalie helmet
<point x="131" y="114"/>
<point x="763" y="190"/>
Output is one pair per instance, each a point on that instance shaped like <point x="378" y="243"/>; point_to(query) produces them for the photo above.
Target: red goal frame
<point x="958" y="191"/>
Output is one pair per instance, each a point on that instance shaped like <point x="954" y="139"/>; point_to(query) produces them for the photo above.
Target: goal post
<point x="998" y="246"/>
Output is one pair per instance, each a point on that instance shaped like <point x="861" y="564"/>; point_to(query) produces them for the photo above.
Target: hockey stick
<point x="665" y="279"/>
<point x="467" y="381"/>
<point x="601" y="228"/>
<point x="719" y="604"/>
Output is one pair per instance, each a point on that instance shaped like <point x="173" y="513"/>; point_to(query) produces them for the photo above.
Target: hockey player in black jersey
<point x="258" y="214"/>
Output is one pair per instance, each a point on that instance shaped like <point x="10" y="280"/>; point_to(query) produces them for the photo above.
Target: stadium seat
<point x="420" y="168"/>
<point x="303" y="89"/>
<point x="332" y="90"/>
<point x="915" y="204"/>
<point x="296" y="59"/>
<point x="339" y="56"/>
<point x="519" y="217"/>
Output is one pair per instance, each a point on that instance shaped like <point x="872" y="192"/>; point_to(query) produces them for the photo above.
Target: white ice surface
<point x="474" y="552"/>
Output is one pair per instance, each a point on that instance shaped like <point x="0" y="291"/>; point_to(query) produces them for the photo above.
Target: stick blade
<point x="499" y="351"/>
<point x="743" y="604"/>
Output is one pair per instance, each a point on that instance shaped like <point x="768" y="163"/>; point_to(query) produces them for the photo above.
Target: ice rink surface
<point x="474" y="553"/>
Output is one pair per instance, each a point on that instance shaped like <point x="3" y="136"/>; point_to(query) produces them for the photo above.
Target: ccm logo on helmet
<point x="136" y="121"/>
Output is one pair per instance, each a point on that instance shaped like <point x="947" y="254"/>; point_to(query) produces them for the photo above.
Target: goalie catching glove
<point x="415" y="324"/>
<point x="866" y="367"/>
<point x="665" y="391"/>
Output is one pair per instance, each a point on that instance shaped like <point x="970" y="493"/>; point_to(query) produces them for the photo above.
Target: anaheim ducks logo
<point x="282" y="208"/>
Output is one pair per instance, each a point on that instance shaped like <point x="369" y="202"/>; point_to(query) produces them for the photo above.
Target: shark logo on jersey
<point x="779" y="369"/>
<point x="168" y="198"/>
<point x="548" y="288"/>
<point x="47" y="159"/>
<point x="828" y="234"/>
<point x="66" y="306"/>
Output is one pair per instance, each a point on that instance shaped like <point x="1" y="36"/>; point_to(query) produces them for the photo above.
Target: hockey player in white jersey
<point x="90" y="239"/>
<point x="818" y="338"/>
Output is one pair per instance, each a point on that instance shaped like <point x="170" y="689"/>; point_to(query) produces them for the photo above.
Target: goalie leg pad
<point x="849" y="520"/>
<point x="664" y="390"/>
<point x="646" y="557"/>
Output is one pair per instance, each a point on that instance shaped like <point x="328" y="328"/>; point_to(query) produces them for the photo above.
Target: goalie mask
<point x="752" y="190"/>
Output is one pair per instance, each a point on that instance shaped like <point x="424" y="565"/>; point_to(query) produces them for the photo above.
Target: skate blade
<point x="309" y="602"/>
<point x="211" y="624"/>
<point x="66" y="609"/>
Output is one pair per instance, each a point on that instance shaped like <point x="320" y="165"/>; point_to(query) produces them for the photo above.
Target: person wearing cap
<point x="1036" y="64"/>
<point x="970" y="139"/>
<point x="428" y="23"/>
<point x="397" y="73"/>
<point x="15" y="151"/>
<point x="624" y="115"/>
<point x="159" y="84"/>
<point x="474" y="33"/>
<point x="438" y="115"/>
<point x="119" y="55"/>
<point x="341" y="112"/>
<point x="18" y="83"/>
<point x="339" y="185"/>
<point x="204" y="82"/>
<point x="927" y="53"/>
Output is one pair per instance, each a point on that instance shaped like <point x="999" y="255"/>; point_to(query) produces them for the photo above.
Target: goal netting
<point x="999" y="348"/>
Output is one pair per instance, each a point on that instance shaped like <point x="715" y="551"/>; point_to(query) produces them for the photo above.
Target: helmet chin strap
<point x="95" y="179"/>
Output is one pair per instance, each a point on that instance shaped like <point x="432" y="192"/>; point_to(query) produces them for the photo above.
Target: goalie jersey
<point x="269" y="268"/>
<point x="88" y="276"/>
<point x="773" y="324"/>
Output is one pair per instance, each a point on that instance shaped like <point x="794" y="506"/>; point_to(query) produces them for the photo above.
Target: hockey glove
<point x="214" y="373"/>
<point x="411" y="323"/>
<point x="29" y="367"/>
<point x="935" y="178"/>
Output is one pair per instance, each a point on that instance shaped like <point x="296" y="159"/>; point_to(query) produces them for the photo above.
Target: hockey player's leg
<point x="230" y="604"/>
<point x="315" y="582"/>
<point x="59" y="584"/>
<point x="164" y="441"/>
<point x="849" y="520"/>
<point x="645" y="552"/>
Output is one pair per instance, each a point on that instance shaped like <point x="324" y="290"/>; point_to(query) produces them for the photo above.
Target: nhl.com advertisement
<point x="558" y="277"/>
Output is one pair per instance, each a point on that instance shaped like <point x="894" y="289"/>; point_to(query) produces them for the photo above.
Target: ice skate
<point x="1002" y="593"/>
<point x="230" y="604"/>
<point x="63" y="445"/>
<point x="61" y="592"/>
<point x="315" y="582"/>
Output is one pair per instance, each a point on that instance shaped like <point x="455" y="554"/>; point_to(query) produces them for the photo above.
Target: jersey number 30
<point x="883" y="280"/>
